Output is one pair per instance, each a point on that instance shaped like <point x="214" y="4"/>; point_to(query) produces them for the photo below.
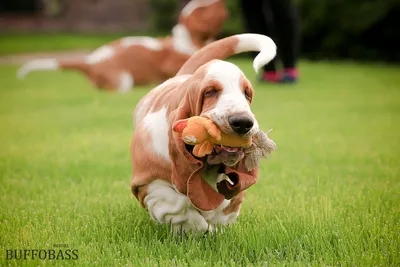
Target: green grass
<point x="11" y="43"/>
<point x="328" y="196"/>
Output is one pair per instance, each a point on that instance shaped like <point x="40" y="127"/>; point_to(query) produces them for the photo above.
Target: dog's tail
<point x="230" y="46"/>
<point x="51" y="64"/>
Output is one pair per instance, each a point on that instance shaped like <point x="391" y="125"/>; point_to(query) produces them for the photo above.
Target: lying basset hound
<point x="143" y="60"/>
<point x="173" y="185"/>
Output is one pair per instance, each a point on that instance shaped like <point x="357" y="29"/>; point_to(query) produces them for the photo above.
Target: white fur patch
<point x="148" y="42"/>
<point x="257" y="42"/>
<point x="37" y="64"/>
<point x="182" y="41"/>
<point x="232" y="99"/>
<point x="194" y="4"/>
<point x="177" y="79"/>
<point x="100" y="54"/>
<point x="125" y="82"/>
<point x="166" y="205"/>
<point x="157" y="125"/>
<point x="217" y="216"/>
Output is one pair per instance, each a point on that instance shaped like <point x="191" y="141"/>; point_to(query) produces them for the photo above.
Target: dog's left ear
<point x="185" y="168"/>
<point x="180" y="125"/>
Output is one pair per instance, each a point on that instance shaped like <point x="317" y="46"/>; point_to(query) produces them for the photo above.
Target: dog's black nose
<point x="241" y="124"/>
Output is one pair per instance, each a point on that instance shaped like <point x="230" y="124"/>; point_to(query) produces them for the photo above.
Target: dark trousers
<point x="279" y="20"/>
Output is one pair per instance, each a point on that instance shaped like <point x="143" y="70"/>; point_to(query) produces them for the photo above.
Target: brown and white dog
<point x="173" y="185"/>
<point x="143" y="60"/>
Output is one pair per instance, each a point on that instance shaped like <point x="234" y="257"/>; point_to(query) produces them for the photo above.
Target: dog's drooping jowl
<point x="130" y="61"/>
<point x="176" y="187"/>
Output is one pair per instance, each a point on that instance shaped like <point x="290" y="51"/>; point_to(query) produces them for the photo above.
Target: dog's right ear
<point x="180" y="125"/>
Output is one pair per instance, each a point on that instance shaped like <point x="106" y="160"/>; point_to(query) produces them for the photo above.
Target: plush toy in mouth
<point x="203" y="134"/>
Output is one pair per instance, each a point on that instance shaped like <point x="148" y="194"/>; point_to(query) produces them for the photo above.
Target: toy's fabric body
<point x="204" y="134"/>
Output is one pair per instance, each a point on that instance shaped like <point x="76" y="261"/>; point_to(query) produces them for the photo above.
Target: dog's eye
<point x="211" y="92"/>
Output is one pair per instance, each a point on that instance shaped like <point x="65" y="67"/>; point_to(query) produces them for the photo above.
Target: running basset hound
<point x="173" y="185"/>
<point x="143" y="60"/>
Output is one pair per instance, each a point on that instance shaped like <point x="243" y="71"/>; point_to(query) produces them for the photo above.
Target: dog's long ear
<point x="186" y="168"/>
<point x="183" y="163"/>
<point x="191" y="103"/>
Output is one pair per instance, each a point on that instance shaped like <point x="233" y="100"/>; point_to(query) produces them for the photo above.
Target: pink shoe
<point x="270" y="76"/>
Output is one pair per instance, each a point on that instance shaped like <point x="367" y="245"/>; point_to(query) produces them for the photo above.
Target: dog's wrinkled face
<point x="226" y="98"/>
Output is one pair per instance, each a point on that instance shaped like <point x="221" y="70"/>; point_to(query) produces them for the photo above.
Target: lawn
<point x="329" y="195"/>
<point x="11" y="43"/>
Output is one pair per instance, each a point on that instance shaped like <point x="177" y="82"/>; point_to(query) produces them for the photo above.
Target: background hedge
<point x="331" y="29"/>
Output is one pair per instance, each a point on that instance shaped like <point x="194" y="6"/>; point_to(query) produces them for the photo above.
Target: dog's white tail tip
<point x="257" y="42"/>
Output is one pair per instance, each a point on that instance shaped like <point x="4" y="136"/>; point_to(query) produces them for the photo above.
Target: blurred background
<point x="331" y="29"/>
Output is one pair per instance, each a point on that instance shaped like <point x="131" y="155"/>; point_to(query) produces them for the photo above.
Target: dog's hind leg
<point x="126" y="82"/>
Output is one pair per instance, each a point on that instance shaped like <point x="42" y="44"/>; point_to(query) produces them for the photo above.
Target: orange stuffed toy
<point x="204" y="134"/>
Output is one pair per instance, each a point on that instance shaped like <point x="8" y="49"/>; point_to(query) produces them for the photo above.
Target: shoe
<point x="270" y="77"/>
<point x="288" y="76"/>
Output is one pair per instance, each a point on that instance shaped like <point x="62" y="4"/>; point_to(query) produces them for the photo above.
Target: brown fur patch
<point x="235" y="204"/>
<point x="247" y="88"/>
<point x="220" y="49"/>
<point x="205" y="22"/>
<point x="211" y="92"/>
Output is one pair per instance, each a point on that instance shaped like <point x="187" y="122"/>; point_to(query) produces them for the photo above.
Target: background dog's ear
<point x="180" y="125"/>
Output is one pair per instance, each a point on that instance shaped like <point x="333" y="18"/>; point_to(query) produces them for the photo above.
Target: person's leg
<point x="287" y="25"/>
<point x="183" y="3"/>
<point x="256" y="22"/>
